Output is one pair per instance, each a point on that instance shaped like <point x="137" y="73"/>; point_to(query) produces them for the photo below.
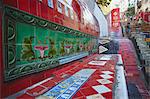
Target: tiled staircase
<point x="144" y="55"/>
<point x="133" y="74"/>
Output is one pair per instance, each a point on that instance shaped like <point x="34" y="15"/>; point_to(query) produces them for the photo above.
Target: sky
<point x="122" y="4"/>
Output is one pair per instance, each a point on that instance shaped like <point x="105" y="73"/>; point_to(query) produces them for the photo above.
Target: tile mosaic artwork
<point x="102" y="49"/>
<point x="97" y="63"/>
<point x="68" y="87"/>
<point x="101" y="89"/>
<point x="104" y="41"/>
<point x="106" y="76"/>
<point x="95" y="96"/>
<point x="106" y="57"/>
<point x="107" y="72"/>
<point x="104" y="81"/>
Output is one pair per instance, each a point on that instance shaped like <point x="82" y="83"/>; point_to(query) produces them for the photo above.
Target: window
<point x="50" y="3"/>
<point x="67" y="11"/>
<point x="76" y="18"/>
<point x="59" y="7"/>
<point x="71" y="14"/>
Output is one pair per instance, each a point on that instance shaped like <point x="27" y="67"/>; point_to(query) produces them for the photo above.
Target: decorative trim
<point x="69" y="86"/>
<point x="23" y="70"/>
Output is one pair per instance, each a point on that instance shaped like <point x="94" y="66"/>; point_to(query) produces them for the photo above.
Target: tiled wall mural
<point x="33" y="44"/>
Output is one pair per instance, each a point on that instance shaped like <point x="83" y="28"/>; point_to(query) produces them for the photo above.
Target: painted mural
<point x="33" y="44"/>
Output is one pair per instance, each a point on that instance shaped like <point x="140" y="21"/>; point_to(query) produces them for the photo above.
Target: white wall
<point x="101" y="20"/>
<point x="90" y="4"/>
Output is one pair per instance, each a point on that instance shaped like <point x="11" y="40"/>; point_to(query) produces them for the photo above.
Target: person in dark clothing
<point x="113" y="47"/>
<point x="128" y="29"/>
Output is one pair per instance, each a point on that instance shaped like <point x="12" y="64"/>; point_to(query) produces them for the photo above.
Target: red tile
<point x="5" y="90"/>
<point x="39" y="9"/>
<point x="57" y="79"/>
<point x="50" y="15"/>
<point x="112" y="79"/>
<point x="33" y="7"/>
<point x="24" y="5"/>
<point x="45" y="2"/>
<point x="74" y="70"/>
<point x="49" y="84"/>
<point x="58" y="73"/>
<point x="88" y="91"/>
<point x="85" y="85"/>
<point x="82" y="97"/>
<point x="93" y="83"/>
<point x="109" y="86"/>
<point x="18" y="85"/>
<point x="48" y="74"/>
<point x="78" y="94"/>
<point x="10" y="2"/>
<point x="25" y="96"/>
<point x="97" y="72"/>
<point x="44" y="11"/>
<point x="38" y="90"/>
<point x="107" y="95"/>
<point x="69" y="72"/>
<point x="37" y="78"/>
<point x="95" y="77"/>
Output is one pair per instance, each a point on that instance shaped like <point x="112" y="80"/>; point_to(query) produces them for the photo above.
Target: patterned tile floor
<point x="99" y="84"/>
<point x="133" y="74"/>
<point x="79" y="80"/>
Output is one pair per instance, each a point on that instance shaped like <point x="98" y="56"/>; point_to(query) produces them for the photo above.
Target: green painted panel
<point x="24" y="33"/>
<point x="35" y="44"/>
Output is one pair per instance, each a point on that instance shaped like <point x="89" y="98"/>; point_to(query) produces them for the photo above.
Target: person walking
<point x="128" y="29"/>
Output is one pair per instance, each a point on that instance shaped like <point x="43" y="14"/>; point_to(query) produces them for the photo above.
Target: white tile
<point x="104" y="41"/>
<point x="107" y="72"/>
<point x="119" y="59"/>
<point x="85" y="72"/>
<point x="65" y="96"/>
<point x="106" y="57"/>
<point x="97" y="63"/>
<point x="121" y="90"/>
<point x="102" y="49"/>
<point x="43" y="97"/>
<point x="95" y="96"/>
<point x="104" y="81"/>
<point x="78" y="80"/>
<point x="101" y="89"/>
<point x="106" y="76"/>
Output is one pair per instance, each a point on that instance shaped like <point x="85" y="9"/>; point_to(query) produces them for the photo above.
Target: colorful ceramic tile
<point x="88" y="91"/>
<point x="104" y="81"/>
<point x="69" y="87"/>
<point x="106" y="57"/>
<point x="42" y="97"/>
<point x="101" y="89"/>
<point x="105" y="76"/>
<point x="102" y="49"/>
<point x="104" y="41"/>
<point x="97" y="63"/>
<point x="107" y="72"/>
<point x="95" y="96"/>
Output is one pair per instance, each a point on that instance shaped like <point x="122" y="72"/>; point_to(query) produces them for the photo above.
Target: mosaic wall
<point x="33" y="44"/>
